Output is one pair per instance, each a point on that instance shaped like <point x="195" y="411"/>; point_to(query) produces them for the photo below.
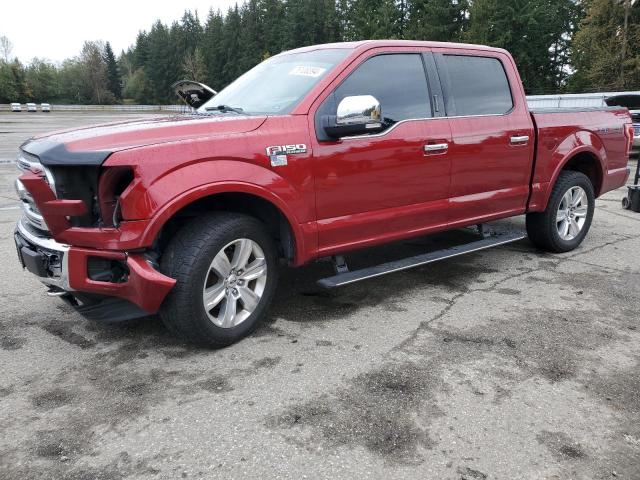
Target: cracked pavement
<point x="506" y="363"/>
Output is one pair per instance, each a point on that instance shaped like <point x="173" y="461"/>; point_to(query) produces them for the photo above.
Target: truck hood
<point x="92" y="145"/>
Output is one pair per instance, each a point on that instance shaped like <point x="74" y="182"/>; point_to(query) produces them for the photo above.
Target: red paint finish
<point x="597" y="135"/>
<point x="358" y="184"/>
<point x="339" y="195"/>
<point x="489" y="174"/>
<point x="54" y="211"/>
<point x="136" y="133"/>
<point x="145" y="286"/>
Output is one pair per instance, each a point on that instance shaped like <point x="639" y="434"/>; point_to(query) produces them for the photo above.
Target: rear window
<point x="478" y="85"/>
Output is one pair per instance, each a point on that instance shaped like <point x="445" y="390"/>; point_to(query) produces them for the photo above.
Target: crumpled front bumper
<point x="65" y="268"/>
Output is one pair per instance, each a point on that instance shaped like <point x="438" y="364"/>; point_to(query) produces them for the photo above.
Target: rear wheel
<point x="226" y="270"/>
<point x="567" y="218"/>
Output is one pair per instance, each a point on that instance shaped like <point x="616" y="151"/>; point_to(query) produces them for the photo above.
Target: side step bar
<point x="348" y="277"/>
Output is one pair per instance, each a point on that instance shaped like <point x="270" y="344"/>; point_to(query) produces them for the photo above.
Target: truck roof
<point x="368" y="44"/>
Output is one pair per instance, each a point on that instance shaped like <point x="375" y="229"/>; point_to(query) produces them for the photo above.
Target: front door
<point x="388" y="185"/>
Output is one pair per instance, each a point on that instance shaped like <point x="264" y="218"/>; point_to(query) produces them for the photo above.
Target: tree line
<point x="559" y="45"/>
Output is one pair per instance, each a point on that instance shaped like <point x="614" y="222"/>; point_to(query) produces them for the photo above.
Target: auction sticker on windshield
<point x="307" y="71"/>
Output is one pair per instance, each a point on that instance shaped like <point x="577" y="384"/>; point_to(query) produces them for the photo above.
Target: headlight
<point x="27" y="161"/>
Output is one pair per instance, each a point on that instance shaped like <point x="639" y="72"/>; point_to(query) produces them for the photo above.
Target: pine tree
<point x="114" y="81"/>
<point x="530" y="31"/>
<point x="161" y="68"/>
<point x="539" y="33"/>
<point x="437" y="20"/>
<point x="141" y="50"/>
<point x="212" y="53"/>
<point x="370" y="19"/>
<point x="231" y="47"/>
<point x="273" y="35"/>
<point x="605" y="57"/>
<point x="251" y="36"/>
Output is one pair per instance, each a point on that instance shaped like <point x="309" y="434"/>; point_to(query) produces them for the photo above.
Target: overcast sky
<point x="56" y="29"/>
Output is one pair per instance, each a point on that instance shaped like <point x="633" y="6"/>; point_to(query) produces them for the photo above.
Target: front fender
<point x="159" y="199"/>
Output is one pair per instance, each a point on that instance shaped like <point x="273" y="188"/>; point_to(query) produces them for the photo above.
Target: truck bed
<point x="567" y="132"/>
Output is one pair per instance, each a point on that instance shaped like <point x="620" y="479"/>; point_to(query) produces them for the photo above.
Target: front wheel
<point x="226" y="270"/>
<point x="567" y="218"/>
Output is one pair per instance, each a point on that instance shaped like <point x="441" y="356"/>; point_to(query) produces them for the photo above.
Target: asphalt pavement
<point x="509" y="363"/>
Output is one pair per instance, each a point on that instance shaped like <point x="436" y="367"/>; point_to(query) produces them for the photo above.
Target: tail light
<point x="113" y="182"/>
<point x="629" y="134"/>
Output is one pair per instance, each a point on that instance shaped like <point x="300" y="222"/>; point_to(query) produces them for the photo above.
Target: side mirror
<point x="355" y="115"/>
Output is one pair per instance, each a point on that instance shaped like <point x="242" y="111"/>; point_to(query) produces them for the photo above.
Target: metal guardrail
<point x="573" y="100"/>
<point x="569" y="100"/>
<point x="110" y="108"/>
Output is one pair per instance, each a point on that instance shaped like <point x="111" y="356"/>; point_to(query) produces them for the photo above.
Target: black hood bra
<point x="54" y="154"/>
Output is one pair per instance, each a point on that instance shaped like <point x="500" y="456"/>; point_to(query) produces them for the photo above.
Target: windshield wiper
<point x="224" y="109"/>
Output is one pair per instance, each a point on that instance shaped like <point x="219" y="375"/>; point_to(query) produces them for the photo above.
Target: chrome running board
<point x="493" y="240"/>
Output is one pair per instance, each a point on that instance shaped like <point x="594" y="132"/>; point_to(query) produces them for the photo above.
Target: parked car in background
<point x="31" y="107"/>
<point x="16" y="107"/>
<point x="632" y="102"/>
<point x="45" y="107"/>
<point x="313" y="153"/>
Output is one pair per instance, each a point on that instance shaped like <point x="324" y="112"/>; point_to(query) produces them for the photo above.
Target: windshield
<point x="276" y="85"/>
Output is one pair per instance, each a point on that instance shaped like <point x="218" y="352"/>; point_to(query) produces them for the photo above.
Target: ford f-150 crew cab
<point x="313" y="153"/>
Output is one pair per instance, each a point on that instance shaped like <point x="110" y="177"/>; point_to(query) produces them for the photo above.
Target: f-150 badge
<point x="278" y="153"/>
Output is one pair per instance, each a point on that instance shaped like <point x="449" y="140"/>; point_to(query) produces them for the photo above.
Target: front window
<point x="278" y="84"/>
<point x="398" y="81"/>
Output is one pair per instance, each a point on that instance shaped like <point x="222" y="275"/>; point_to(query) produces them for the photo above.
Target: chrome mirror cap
<point x="359" y="110"/>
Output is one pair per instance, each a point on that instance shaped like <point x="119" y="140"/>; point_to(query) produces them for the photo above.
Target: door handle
<point x="432" y="148"/>
<point x="519" y="140"/>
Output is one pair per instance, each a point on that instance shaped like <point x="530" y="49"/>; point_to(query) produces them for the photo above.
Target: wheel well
<point x="273" y="219"/>
<point x="587" y="164"/>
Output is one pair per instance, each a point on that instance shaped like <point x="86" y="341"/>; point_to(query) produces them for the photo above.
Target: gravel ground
<point x="509" y="363"/>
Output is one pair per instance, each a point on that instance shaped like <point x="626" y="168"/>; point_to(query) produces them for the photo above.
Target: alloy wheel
<point x="234" y="283"/>
<point x="572" y="213"/>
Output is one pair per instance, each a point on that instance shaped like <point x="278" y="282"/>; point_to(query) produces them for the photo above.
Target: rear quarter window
<point x="477" y="86"/>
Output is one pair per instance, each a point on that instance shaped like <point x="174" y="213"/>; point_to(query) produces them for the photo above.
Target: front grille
<point x="636" y="129"/>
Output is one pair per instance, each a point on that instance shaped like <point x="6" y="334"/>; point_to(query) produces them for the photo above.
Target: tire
<point x="189" y="258"/>
<point x="545" y="229"/>
<point x="626" y="204"/>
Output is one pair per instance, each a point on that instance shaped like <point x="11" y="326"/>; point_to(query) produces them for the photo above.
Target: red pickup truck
<point x="313" y="153"/>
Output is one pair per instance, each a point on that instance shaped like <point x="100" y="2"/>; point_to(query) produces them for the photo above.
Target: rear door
<point x="492" y="134"/>
<point x="382" y="186"/>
